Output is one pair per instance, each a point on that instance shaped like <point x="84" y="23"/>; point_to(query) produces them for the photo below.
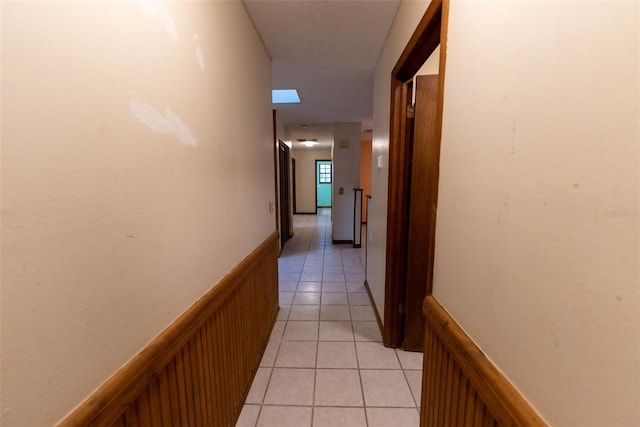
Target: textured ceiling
<point x="327" y="50"/>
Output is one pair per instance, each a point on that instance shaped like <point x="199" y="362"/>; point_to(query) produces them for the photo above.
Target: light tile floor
<point x="325" y="364"/>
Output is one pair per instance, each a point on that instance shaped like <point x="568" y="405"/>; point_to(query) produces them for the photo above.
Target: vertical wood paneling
<point x="197" y="372"/>
<point x="459" y="410"/>
<point x="436" y="387"/>
<point x="165" y="389"/>
<point x="143" y="411"/>
<point x="182" y="390"/>
<point x="448" y="390"/>
<point x="200" y="379"/>
<point x="478" y="411"/>
<point x="190" y="400"/>
<point x="454" y="393"/>
<point x="216" y="361"/>
<point x="460" y="385"/>
<point x="432" y="380"/>
<point x="120" y="422"/>
<point x="172" y="391"/>
<point x="206" y="377"/>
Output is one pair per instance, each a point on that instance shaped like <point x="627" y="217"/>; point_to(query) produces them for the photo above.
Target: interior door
<point x="424" y="169"/>
<point x="283" y="178"/>
<point x="324" y="177"/>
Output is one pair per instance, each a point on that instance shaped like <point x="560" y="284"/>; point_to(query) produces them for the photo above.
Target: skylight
<point x="285" y="96"/>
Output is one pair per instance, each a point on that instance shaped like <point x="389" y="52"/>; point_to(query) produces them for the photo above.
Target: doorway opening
<point x="411" y="188"/>
<point x="284" y="201"/>
<point x="324" y="180"/>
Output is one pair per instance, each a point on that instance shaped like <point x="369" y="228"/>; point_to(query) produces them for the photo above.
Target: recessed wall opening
<point x="324" y="179"/>
<point x="285" y="96"/>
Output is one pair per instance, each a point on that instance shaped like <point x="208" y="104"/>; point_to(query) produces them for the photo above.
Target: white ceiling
<point x="327" y="50"/>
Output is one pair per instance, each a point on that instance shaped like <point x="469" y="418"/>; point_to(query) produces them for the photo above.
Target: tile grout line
<point x="272" y="368"/>
<point x="315" y="368"/>
<point x="264" y="395"/>
<point x="355" y="347"/>
<point x="310" y="244"/>
<point x="404" y="373"/>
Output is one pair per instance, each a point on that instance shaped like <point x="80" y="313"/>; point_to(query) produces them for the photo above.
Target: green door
<point x="324" y="177"/>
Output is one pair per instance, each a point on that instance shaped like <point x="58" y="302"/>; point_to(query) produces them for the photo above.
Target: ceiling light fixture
<point x="309" y="143"/>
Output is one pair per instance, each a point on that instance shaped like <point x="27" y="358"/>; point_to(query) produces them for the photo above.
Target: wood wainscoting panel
<point x="460" y="386"/>
<point x="199" y="370"/>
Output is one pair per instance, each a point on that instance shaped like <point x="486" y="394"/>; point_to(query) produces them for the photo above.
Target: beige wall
<point x="130" y="183"/>
<point x="306" y="177"/>
<point x="537" y="228"/>
<point x="540" y="155"/>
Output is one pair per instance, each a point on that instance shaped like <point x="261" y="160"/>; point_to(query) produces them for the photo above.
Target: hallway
<point x="325" y="364"/>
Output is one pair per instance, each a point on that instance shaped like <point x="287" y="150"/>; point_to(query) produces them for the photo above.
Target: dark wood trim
<point x="424" y="166"/>
<point x="397" y="206"/>
<point x="293" y="184"/>
<point x="315" y="186"/>
<point x="357" y="225"/>
<point x="203" y="363"/>
<point x="430" y="32"/>
<point x="284" y="157"/>
<point x="460" y="384"/>
<point x="275" y="170"/>
<point x="341" y="242"/>
<point x="422" y="43"/>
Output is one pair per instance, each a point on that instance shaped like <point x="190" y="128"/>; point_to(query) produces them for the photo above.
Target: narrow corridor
<point x="325" y="364"/>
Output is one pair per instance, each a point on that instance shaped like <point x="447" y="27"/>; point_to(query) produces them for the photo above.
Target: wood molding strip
<point x="460" y="384"/>
<point x="342" y="242"/>
<point x="186" y="376"/>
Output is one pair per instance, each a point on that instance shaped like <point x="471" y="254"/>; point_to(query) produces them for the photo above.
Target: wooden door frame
<point x="293" y="184"/>
<point x="284" y="184"/>
<point x="430" y="32"/>
<point x="276" y="172"/>
<point x="425" y="156"/>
